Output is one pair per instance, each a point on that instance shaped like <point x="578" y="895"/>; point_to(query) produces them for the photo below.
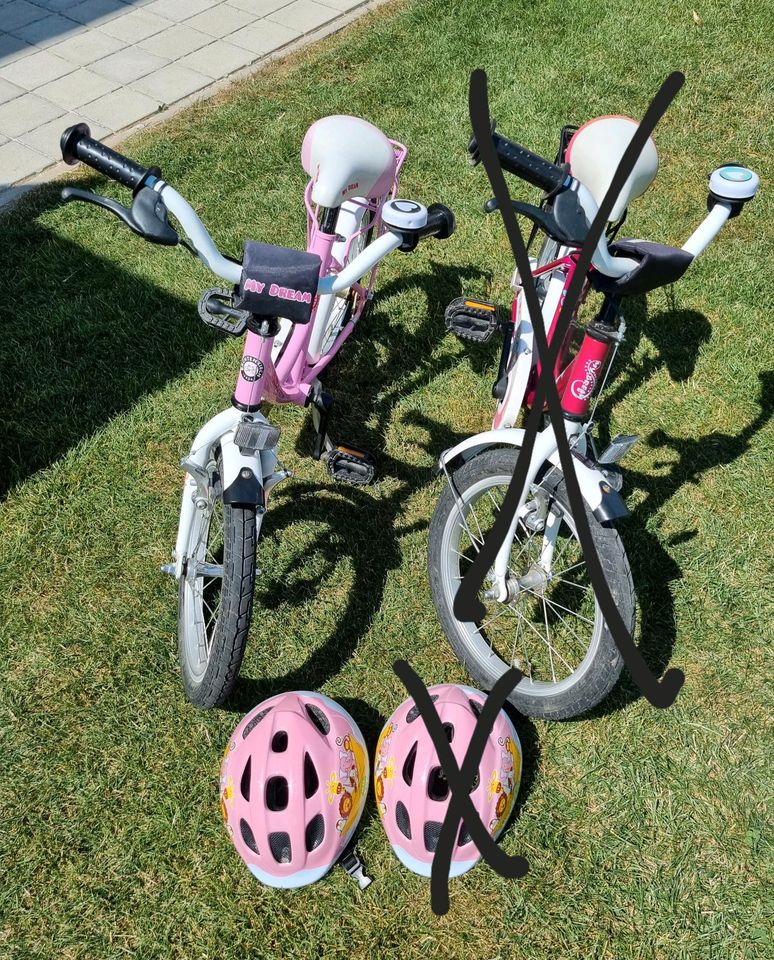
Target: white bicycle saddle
<point x="347" y="157"/>
<point x="595" y="151"/>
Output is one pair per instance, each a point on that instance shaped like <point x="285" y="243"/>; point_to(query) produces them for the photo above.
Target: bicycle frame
<point x="283" y="368"/>
<point x="575" y="394"/>
<point x="524" y="366"/>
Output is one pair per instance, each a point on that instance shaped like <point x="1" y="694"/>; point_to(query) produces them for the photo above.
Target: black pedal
<point x="350" y="465"/>
<point x="217" y="310"/>
<point x="472" y="319"/>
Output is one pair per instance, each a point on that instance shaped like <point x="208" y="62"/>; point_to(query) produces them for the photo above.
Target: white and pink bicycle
<point x="542" y="614"/>
<point x="297" y="309"/>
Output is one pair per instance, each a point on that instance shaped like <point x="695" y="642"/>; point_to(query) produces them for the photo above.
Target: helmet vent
<point x="247" y="835"/>
<point x="402" y="819"/>
<point x="432" y="833"/>
<point x="279" y="844"/>
<point x="315" y="831"/>
<point x="448" y="729"/>
<point x="437" y="784"/>
<point x="475" y="707"/>
<point x="276" y="793"/>
<point x="279" y="742"/>
<point x="254" y="722"/>
<point x="311" y="780"/>
<point x="244" y="783"/>
<point x="414" y="711"/>
<point x="465" y="837"/>
<point x="318" y="718"/>
<point x="408" y="765"/>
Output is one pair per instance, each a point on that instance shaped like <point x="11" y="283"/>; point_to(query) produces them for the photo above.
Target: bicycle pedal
<point x="350" y="465"/>
<point x="473" y="320"/>
<point x="217" y="311"/>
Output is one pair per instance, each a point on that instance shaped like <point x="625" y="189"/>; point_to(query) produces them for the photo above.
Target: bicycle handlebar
<point x="731" y="186"/>
<point x="77" y="144"/>
<point x="523" y="163"/>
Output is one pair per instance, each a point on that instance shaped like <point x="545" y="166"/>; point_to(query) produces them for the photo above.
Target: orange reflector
<point x="480" y="306"/>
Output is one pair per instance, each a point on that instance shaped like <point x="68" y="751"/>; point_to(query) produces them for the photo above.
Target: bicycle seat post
<point x="262" y="326"/>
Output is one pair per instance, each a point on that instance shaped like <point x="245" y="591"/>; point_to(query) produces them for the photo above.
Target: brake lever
<point x="571" y="232"/>
<point x="142" y="218"/>
<point x="150" y="215"/>
<point x="87" y="196"/>
<point x="474" y="157"/>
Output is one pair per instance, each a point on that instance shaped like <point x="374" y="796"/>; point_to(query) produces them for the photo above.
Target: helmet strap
<point x="355" y="868"/>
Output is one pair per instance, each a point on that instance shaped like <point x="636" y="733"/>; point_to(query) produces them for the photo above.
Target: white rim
<point x="539" y="631"/>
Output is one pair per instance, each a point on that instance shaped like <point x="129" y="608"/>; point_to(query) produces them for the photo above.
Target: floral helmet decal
<point x="412" y="793"/>
<point x="293" y="784"/>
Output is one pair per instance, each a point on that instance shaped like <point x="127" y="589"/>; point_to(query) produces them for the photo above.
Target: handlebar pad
<point x="77" y="144"/>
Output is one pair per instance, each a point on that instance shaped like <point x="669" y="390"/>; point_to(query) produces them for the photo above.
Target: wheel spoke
<point x="570" y="583"/>
<point x="518" y="635"/>
<point x="478" y="527"/>
<point x="558" y="606"/>
<point x="462" y="555"/>
<point x="548" y="642"/>
<point x="495" y="617"/>
<point x="580" y="563"/>
<point x="568" y="627"/>
<point x="538" y="634"/>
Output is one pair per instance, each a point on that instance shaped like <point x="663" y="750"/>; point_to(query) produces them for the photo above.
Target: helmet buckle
<point x="354" y="867"/>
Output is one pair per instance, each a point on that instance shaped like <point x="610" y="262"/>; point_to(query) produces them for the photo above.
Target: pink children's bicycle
<point x="297" y="309"/>
<point x="541" y="612"/>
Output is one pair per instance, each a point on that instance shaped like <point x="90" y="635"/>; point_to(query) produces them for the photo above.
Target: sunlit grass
<point x="647" y="831"/>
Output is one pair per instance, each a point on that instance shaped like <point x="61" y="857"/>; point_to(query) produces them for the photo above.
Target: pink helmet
<point x="412" y="793"/>
<point x="293" y="784"/>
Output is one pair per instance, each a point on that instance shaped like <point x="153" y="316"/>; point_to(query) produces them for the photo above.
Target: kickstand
<point x="321" y="408"/>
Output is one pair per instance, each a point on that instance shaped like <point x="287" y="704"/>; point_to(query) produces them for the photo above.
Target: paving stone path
<point x="114" y="63"/>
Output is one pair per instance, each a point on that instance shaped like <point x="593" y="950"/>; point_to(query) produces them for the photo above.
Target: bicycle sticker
<point x="251" y="369"/>
<point x="582" y="389"/>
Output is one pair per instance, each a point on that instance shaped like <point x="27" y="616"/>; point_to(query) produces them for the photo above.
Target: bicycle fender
<point x="242" y="475"/>
<point x="466" y="449"/>
<point x="604" y="502"/>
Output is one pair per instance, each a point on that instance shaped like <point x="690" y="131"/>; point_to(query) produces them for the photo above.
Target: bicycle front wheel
<point x="551" y="626"/>
<point x="216" y="597"/>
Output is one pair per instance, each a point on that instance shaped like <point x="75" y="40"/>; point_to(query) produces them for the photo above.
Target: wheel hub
<point x="536" y="579"/>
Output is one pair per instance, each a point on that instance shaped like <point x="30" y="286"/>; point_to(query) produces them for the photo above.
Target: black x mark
<point x="467" y="606"/>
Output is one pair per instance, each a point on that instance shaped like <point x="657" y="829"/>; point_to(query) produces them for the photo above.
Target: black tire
<point x="599" y="669"/>
<point x="209" y="676"/>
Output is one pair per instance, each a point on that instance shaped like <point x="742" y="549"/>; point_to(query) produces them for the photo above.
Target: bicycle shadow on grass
<point x="83" y="340"/>
<point x="363" y="527"/>
<point x="677" y="336"/>
<point x="386" y="363"/>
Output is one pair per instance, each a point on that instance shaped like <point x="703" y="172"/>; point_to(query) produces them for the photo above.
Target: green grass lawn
<point x="647" y="832"/>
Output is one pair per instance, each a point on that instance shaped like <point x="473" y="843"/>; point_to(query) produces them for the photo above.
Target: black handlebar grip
<point x="77" y="144"/>
<point x="440" y="222"/>
<point x="527" y="165"/>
